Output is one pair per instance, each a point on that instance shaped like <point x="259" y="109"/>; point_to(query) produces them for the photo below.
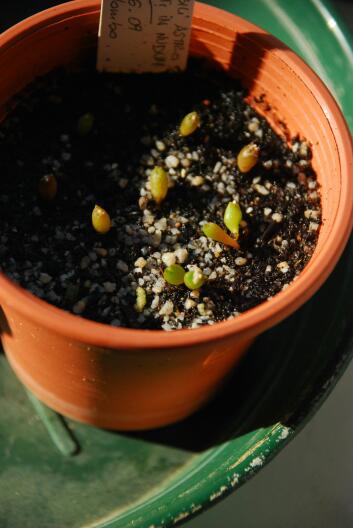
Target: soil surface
<point x="51" y="248"/>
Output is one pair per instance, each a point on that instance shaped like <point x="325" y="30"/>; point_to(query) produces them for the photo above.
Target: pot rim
<point x="253" y="321"/>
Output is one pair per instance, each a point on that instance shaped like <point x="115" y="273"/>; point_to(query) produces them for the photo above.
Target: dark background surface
<point x="345" y="9"/>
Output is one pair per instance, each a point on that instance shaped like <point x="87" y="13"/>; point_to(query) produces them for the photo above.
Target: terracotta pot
<point x="136" y="379"/>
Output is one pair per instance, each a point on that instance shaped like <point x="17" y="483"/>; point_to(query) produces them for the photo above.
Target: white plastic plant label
<point x="144" y="35"/>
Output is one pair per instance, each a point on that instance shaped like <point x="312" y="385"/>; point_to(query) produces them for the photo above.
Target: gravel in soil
<point x="51" y="248"/>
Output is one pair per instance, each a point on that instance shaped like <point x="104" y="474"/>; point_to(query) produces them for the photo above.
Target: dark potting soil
<point x="51" y="248"/>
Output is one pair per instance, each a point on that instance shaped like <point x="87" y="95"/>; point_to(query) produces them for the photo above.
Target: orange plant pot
<point x="137" y="379"/>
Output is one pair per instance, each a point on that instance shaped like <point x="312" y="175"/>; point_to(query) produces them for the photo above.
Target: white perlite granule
<point x="167" y="308"/>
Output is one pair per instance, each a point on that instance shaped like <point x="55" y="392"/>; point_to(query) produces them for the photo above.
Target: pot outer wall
<point x="134" y="387"/>
<point x="124" y="389"/>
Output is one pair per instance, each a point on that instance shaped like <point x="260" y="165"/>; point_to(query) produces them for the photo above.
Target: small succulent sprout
<point x="159" y="184"/>
<point x="232" y="218"/>
<point x="48" y="187"/>
<point x="85" y="124"/>
<point x="141" y="299"/>
<point x="101" y="220"/>
<point x="194" y="279"/>
<point x="216" y="233"/>
<point x="189" y="124"/>
<point x="248" y="157"/>
<point x="174" y="274"/>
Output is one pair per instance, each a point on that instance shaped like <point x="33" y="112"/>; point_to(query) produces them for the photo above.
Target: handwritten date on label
<point x="144" y="35"/>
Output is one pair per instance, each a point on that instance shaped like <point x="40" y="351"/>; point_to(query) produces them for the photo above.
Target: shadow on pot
<point x="249" y="51"/>
<point x="4" y="325"/>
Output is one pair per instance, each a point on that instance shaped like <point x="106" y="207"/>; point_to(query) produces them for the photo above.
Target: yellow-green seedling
<point x="174" y="274"/>
<point x="232" y="218"/>
<point x="194" y="279"/>
<point x="141" y="299"/>
<point x="248" y="157"/>
<point x="85" y="124"/>
<point x="216" y="233"/>
<point x="101" y="220"/>
<point x="48" y="187"/>
<point x="159" y="184"/>
<point x="189" y="124"/>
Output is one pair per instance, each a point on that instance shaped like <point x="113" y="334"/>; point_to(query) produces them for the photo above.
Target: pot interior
<point x="275" y="88"/>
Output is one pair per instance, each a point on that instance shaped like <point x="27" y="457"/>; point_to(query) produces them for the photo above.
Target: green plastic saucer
<point x="79" y="476"/>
